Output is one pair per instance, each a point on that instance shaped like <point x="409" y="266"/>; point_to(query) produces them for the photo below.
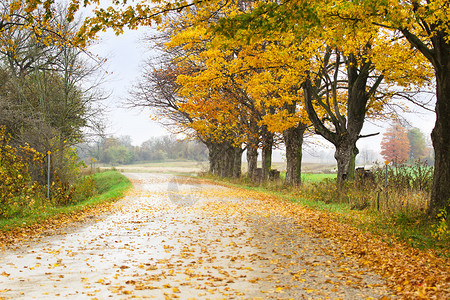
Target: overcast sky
<point x="126" y="54"/>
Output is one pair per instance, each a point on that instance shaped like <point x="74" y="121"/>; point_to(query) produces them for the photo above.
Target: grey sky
<point x="125" y="54"/>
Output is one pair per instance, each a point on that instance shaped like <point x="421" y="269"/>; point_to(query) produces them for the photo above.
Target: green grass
<point x="412" y="228"/>
<point x="310" y="177"/>
<point x="110" y="181"/>
<point x="110" y="185"/>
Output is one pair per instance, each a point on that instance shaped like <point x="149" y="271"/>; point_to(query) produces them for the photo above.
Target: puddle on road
<point x="180" y="238"/>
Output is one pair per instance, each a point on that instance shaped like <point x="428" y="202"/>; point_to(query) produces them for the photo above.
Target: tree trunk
<point x="252" y="148"/>
<point x="231" y="156"/>
<point x="222" y="163"/>
<point x="347" y="129"/>
<point x="439" y="56"/>
<point x="237" y="163"/>
<point x="266" y="154"/>
<point x="351" y="169"/>
<point x="227" y="155"/>
<point x="293" y="139"/>
<point x="440" y="192"/>
<point x="215" y="158"/>
<point x="266" y="162"/>
<point x="211" y="157"/>
<point x="343" y="156"/>
<point x="252" y="161"/>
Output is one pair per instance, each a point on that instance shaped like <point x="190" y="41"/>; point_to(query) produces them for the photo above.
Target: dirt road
<point x="178" y="238"/>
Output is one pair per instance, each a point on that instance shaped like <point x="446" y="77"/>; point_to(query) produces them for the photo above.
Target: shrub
<point x="20" y="195"/>
<point x="85" y="188"/>
<point x="17" y="190"/>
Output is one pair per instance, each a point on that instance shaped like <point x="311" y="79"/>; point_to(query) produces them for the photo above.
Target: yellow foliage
<point x="258" y="73"/>
<point x="16" y="186"/>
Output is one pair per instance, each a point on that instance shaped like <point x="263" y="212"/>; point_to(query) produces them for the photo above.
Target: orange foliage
<point x="395" y="144"/>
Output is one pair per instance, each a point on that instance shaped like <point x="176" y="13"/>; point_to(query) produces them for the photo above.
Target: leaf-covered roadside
<point x="411" y="272"/>
<point x="111" y="186"/>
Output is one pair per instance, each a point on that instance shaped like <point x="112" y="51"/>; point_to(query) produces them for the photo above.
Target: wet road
<point x="173" y="237"/>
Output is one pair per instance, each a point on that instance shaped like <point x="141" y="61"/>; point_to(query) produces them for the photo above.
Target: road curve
<point x="173" y="237"/>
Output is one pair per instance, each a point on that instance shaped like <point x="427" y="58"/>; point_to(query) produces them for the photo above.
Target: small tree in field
<point x="418" y="147"/>
<point x="395" y="144"/>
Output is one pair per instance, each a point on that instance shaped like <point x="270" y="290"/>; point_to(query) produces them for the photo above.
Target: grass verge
<point x="110" y="186"/>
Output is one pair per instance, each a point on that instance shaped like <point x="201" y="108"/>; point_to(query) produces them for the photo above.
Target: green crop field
<point x="311" y="177"/>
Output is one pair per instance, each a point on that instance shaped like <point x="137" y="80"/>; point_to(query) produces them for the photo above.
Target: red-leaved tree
<point x="395" y="144"/>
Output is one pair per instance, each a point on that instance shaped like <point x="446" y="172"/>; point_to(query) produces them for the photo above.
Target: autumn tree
<point x="226" y="124"/>
<point x="347" y="122"/>
<point x="25" y="14"/>
<point x="276" y="82"/>
<point x="425" y="25"/>
<point x="160" y="91"/>
<point x="262" y="82"/>
<point x="212" y="94"/>
<point x="346" y="80"/>
<point x="418" y="147"/>
<point x="395" y="144"/>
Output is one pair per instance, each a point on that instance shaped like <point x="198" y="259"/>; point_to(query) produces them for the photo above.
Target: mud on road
<point x="173" y="237"/>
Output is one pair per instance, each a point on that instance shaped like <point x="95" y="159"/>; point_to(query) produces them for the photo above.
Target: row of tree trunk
<point x="226" y="158"/>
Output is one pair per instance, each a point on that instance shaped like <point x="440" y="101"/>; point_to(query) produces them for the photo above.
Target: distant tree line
<point x="119" y="150"/>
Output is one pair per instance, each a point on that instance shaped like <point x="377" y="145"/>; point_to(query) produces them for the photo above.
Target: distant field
<point x="311" y="177"/>
<point x="318" y="168"/>
<point x="318" y="171"/>
<point x="170" y="167"/>
<point x="306" y="167"/>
